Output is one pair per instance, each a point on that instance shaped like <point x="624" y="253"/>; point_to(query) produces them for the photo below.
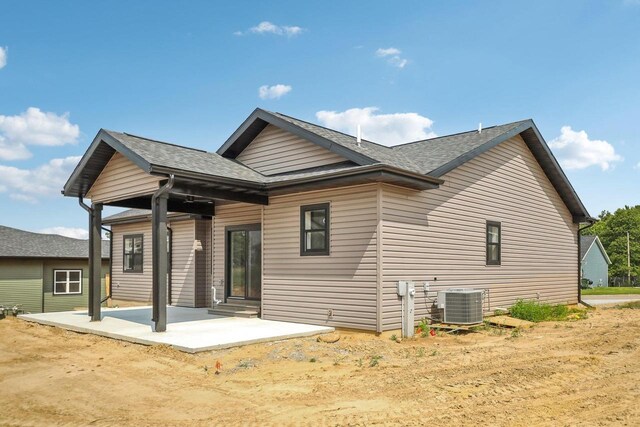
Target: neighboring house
<point x="595" y="261"/>
<point x="45" y="272"/>
<point x="318" y="227"/>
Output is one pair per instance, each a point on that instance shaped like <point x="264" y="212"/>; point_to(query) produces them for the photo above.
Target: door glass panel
<point x="238" y="262"/>
<point x="255" y="265"/>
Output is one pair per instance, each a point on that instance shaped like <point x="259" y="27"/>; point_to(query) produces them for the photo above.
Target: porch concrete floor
<point x="188" y="329"/>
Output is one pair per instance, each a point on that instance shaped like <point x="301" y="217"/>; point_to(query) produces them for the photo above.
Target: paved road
<point x="609" y="299"/>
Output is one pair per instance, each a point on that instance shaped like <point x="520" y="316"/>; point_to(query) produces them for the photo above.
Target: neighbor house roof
<point x="587" y="242"/>
<point x="419" y="164"/>
<point x="16" y="243"/>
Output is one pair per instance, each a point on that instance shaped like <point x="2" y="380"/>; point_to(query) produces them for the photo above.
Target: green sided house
<point x="46" y="272"/>
<point x="306" y="224"/>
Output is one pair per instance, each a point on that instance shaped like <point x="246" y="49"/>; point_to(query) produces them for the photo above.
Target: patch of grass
<point x="374" y="360"/>
<point x="313" y="360"/>
<point x="611" y="291"/>
<point x="359" y="362"/>
<point x="434" y="353"/>
<point x="516" y="333"/>
<point x="534" y="311"/>
<point x="393" y="337"/>
<point x="633" y="305"/>
<point x="420" y="352"/>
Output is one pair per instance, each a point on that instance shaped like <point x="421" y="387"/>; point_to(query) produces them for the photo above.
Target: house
<point x="594" y="261"/>
<point x="46" y="272"/>
<point x="316" y="226"/>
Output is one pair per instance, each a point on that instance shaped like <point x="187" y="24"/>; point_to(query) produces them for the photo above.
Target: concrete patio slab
<point x="190" y="330"/>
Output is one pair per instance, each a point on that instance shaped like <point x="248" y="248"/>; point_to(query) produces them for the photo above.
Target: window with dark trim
<point x="67" y="282"/>
<point x="132" y="253"/>
<point x="494" y="243"/>
<point x="314" y="229"/>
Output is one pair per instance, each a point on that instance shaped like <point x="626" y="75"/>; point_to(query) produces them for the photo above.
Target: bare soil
<point x="584" y="372"/>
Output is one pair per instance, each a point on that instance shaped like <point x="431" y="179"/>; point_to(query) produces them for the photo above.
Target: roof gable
<point x="588" y="243"/>
<point x="276" y="151"/>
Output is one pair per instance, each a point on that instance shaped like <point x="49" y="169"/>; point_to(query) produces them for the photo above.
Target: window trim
<point x="327" y="230"/>
<point x="124" y="239"/>
<point x="488" y="243"/>
<point x="79" y="270"/>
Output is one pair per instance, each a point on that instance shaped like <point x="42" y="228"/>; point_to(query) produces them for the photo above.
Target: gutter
<point x="591" y="221"/>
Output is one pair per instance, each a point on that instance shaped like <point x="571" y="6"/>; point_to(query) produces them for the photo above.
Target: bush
<point x="534" y="311"/>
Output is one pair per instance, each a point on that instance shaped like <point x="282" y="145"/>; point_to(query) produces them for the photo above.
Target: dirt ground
<point x="584" y="372"/>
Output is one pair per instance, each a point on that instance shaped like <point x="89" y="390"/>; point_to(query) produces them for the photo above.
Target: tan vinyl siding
<point x="303" y="288"/>
<point x="121" y="179"/>
<point x="276" y="151"/>
<point x="226" y="215"/>
<point x="69" y="302"/>
<point x="131" y="286"/>
<point x="21" y="283"/>
<point x="441" y="234"/>
<point x="137" y="286"/>
<point x="183" y="263"/>
<point x="203" y="264"/>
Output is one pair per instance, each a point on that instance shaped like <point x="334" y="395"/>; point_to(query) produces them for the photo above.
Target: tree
<point x="612" y="230"/>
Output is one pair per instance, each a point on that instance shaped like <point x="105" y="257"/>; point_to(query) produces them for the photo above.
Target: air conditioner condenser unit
<point x="461" y="306"/>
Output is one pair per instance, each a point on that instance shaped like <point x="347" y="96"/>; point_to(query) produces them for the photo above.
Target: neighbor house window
<point x="314" y="229"/>
<point x="67" y="282"/>
<point x="132" y="253"/>
<point x="494" y="243"/>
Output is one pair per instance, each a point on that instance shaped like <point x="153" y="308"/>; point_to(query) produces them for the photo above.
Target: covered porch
<point x="191" y="330"/>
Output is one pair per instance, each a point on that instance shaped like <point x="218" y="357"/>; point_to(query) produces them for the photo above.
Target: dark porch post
<point x="160" y="269"/>
<point x="95" y="261"/>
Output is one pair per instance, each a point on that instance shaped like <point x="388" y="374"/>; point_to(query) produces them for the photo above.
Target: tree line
<point x="612" y="230"/>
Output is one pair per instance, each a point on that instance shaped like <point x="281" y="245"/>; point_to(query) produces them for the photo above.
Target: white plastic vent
<point x="461" y="306"/>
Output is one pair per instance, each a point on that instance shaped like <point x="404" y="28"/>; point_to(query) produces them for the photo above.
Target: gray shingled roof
<point x="16" y="243"/>
<point x="431" y="154"/>
<point x="161" y="153"/>
<point x="585" y="244"/>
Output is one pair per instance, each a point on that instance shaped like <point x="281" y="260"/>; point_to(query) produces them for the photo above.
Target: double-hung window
<point x="494" y="243"/>
<point x="314" y="229"/>
<point x="67" y="282"/>
<point x="132" y="256"/>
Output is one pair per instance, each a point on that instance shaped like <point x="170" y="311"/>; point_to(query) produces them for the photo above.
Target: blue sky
<point x="190" y="72"/>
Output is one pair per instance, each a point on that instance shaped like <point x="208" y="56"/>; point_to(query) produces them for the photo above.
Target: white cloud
<point x="45" y="180"/>
<point x="392" y="56"/>
<point x="76" y="233"/>
<point x="3" y="56"/>
<point x="34" y="127"/>
<point x="273" y="92"/>
<point x="266" y="27"/>
<point x="387" y="129"/>
<point x="637" y="166"/>
<point x="576" y="151"/>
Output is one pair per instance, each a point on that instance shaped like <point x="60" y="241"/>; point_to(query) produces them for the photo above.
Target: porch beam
<point x="160" y="261"/>
<point x="172" y="206"/>
<point x="214" y="193"/>
<point x="95" y="261"/>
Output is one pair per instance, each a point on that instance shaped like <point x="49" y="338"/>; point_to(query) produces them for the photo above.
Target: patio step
<point x="247" y="309"/>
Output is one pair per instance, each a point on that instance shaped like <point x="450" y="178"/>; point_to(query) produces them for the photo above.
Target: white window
<point x="67" y="282"/>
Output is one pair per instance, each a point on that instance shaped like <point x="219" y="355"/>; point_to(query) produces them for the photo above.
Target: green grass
<point x="534" y="311"/>
<point x="610" y="291"/>
<point x="633" y="304"/>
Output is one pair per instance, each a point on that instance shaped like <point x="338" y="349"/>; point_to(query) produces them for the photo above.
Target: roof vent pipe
<point x="480" y="127"/>
<point x="358" y="136"/>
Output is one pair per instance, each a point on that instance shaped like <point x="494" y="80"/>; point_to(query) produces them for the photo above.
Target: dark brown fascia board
<point x="103" y="136"/>
<point x="205" y="178"/>
<point x="372" y="173"/>
<point x="556" y="166"/>
<point x="260" y="114"/>
<point x="172" y="216"/>
<point x="172" y="206"/>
